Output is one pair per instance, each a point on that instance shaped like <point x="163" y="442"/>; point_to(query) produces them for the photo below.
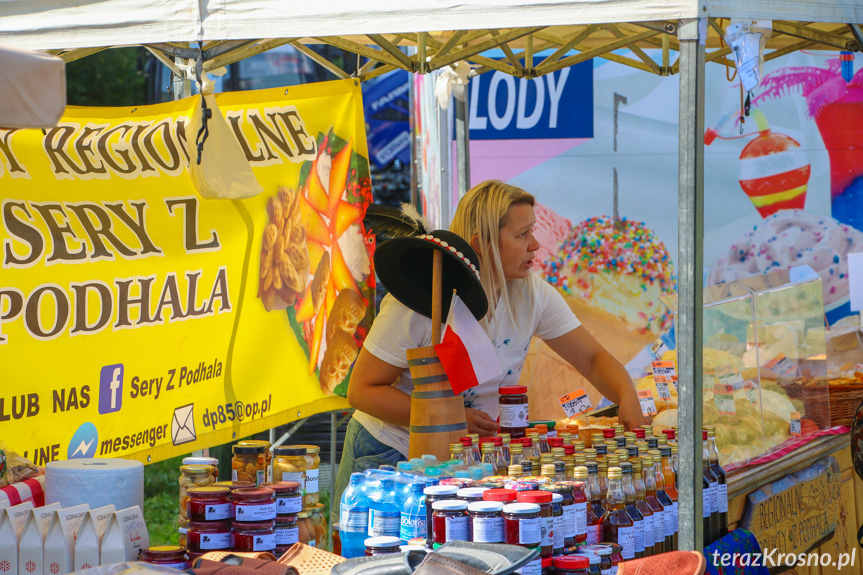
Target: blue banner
<point x="387" y="108"/>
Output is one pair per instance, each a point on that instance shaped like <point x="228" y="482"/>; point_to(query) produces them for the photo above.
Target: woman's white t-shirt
<point x="539" y="309"/>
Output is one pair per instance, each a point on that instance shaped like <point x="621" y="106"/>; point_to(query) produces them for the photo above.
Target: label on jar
<point x="260" y="476"/>
<point x="488" y="529"/>
<point x="558" y="532"/>
<point x="669" y="521"/>
<point x="706" y="501"/>
<point x="354" y="519"/>
<point x="529" y="530"/>
<point x="579" y="514"/>
<point x="594" y="534"/>
<point x="546" y="532"/>
<point x="287" y="535"/>
<point x="312" y="480"/>
<point x="286" y="505"/>
<point x="722" y="498"/>
<point x="676" y="517"/>
<point x="514" y="415"/>
<point x="297" y="476"/>
<point x="457" y="528"/>
<point x="384" y="523"/>
<point x="216" y="511"/>
<point x="714" y="497"/>
<point x="532" y="568"/>
<point x="639" y="535"/>
<point x="658" y="526"/>
<point x="264" y="542"/>
<point x="626" y="539"/>
<point x="262" y="512"/>
<point x="610" y="571"/>
<point x="215" y="540"/>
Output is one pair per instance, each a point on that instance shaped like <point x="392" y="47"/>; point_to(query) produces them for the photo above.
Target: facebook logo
<point x="111" y="388"/>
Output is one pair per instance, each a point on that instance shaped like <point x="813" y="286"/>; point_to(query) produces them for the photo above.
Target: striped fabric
<point x="23" y="491"/>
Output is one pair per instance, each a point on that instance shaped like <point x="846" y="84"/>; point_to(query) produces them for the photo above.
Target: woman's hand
<point x="629" y="412"/>
<point x="479" y="422"/>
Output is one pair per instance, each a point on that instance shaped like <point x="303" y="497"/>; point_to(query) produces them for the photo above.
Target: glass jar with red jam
<point x="521" y="524"/>
<point x="289" y="500"/>
<point x="436" y="493"/>
<point x="500" y="495"/>
<point x="486" y="521"/>
<point x="592" y="558"/>
<point x="450" y="522"/>
<point x="382" y="545"/>
<point x="567" y="505"/>
<point x="471" y="494"/>
<point x="616" y="554"/>
<point x="604" y="553"/>
<point x="557" y="517"/>
<point x="234" y="485"/>
<point x="204" y="536"/>
<point x="572" y="565"/>
<point x="254" y="504"/>
<point x="543" y="499"/>
<point x="167" y="556"/>
<point x="209" y="503"/>
<point x="254" y="536"/>
<point x="513" y="410"/>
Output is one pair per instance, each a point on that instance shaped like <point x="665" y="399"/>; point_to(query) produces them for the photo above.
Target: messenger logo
<point x="84" y="442"/>
<point x="111" y="388"/>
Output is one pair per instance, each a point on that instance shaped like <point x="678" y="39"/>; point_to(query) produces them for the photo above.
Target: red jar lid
<point x="254" y="494"/>
<point x="534" y="497"/>
<point x="486" y="440"/>
<point x="466" y="441"/>
<point x="499" y="495"/>
<point x="555" y="442"/>
<point x="704" y="434"/>
<point x="512" y="389"/>
<point x="210" y="492"/>
<point x="546" y="562"/>
<point x="571" y="562"/>
<point x="568" y="449"/>
<point x="283" y="487"/>
<point x="639" y="433"/>
<point x="669" y="433"/>
<point x="234" y="485"/>
<point x="210" y="525"/>
<point x="252" y="525"/>
<point x="608" y="433"/>
<point x="527" y="441"/>
<point x="498" y="441"/>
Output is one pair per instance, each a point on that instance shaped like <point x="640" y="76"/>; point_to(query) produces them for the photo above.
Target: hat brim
<point x="404" y="266"/>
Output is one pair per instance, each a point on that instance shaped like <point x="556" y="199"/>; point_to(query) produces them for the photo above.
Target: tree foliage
<point x="114" y="77"/>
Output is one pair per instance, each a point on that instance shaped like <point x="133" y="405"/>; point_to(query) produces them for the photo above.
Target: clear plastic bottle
<point x="354" y="517"/>
<point x="384" y="512"/>
<point x="413" y="514"/>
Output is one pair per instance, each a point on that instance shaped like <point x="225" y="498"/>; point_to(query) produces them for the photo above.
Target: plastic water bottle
<point x="413" y="514"/>
<point x="354" y="517"/>
<point x="384" y="512"/>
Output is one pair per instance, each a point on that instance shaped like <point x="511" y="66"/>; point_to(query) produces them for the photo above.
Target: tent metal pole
<point x="462" y="140"/>
<point x="690" y="231"/>
<point x="334" y="427"/>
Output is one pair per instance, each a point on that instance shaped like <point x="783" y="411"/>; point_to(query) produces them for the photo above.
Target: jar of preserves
<point x="543" y="499"/>
<point x="500" y="495"/>
<point x="522" y="524"/>
<point x="249" y="464"/>
<point x="209" y="503"/>
<point x="557" y="518"/>
<point x="382" y="545"/>
<point x="234" y="485"/>
<point x="592" y="558"/>
<point x="433" y="494"/>
<point x="192" y="476"/>
<point x="568" y="511"/>
<point x="318" y="524"/>
<point x="287" y="531"/>
<point x="264" y="445"/>
<point x="254" y="504"/>
<point x="450" y="522"/>
<point x="211" y="461"/>
<point x="254" y="536"/>
<point x="288" y="498"/>
<point x="167" y="556"/>
<point x="616" y="555"/>
<point x="522" y="485"/>
<point x="486" y="521"/>
<point x="470" y="494"/>
<point x="604" y="553"/>
<point x="182" y="538"/>
<point x="572" y="565"/>
<point x="290" y="465"/>
<point x="311" y="496"/>
<point x="513" y="410"/>
<point x="206" y="536"/>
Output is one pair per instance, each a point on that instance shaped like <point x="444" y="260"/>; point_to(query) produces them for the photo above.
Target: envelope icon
<point x="183" y="425"/>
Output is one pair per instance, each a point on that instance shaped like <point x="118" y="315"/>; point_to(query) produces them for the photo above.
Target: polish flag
<point x="466" y="352"/>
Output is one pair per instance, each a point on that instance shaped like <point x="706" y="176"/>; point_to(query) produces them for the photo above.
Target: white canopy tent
<point x="447" y="31"/>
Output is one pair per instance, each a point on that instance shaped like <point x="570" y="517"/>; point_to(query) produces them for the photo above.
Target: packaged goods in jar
<point x="289" y="464"/>
<point x="206" y="536"/>
<point x="500" y="495"/>
<point x="234" y="485"/>
<point x="183" y="536"/>
<point x="287" y="531"/>
<point x="268" y="456"/>
<point x="254" y="504"/>
<point x="450" y="521"/>
<point x="173" y="556"/>
<point x="288" y="498"/>
<point x="432" y="494"/>
<point x="513" y="410"/>
<point x="311" y="496"/>
<point x="192" y="476"/>
<point x="486" y="521"/>
<point x="249" y="464"/>
<point x="522" y="524"/>
<point x="572" y="565"/>
<point x="318" y="518"/>
<point x="250" y="536"/>
<point x="306" y="529"/>
<point x="543" y="499"/>
<point x="209" y="503"/>
<point x="382" y="545"/>
<point x="212" y="461"/>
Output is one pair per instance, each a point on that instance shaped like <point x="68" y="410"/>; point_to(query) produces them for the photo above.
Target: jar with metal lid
<point x="604" y="553"/>
<point x="290" y="465"/>
<point x="513" y="410"/>
<point x="254" y="504"/>
<point x="557" y="543"/>
<point x="249" y="464"/>
<point x="522" y="524"/>
<point x="288" y="498"/>
<point x="382" y="545"/>
<point x="182" y="538"/>
<point x="433" y="494"/>
<point x="268" y="455"/>
<point x="572" y="565"/>
<point x="209" y="503"/>
<point x="470" y="494"/>
<point x="234" y="485"/>
<point x="450" y="522"/>
<point x="254" y="536"/>
<point x="543" y="499"/>
<point x="287" y="531"/>
<point x="167" y="556"/>
<point x="211" y="461"/>
<point x="318" y="524"/>
<point x="616" y="555"/>
<point x="486" y="521"/>
<point x="522" y="485"/>
<point x="311" y="495"/>
<point x="192" y="476"/>
<point x="206" y="536"/>
<point x="593" y="559"/>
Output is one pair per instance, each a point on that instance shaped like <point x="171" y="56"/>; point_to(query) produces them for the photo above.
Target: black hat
<point x="404" y="266"/>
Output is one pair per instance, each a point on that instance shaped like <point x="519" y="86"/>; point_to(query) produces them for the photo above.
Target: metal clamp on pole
<point x="206" y="112"/>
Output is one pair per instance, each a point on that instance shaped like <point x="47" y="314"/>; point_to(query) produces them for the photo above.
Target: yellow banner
<point x="139" y="320"/>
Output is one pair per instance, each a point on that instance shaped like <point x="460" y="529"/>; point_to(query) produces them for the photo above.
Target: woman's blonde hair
<point x="478" y="218"/>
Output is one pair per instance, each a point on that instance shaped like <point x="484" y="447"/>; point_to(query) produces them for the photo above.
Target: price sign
<point x="727" y="374"/>
<point x="664" y="374"/>
<point x="751" y="393"/>
<point x="796" y="428"/>
<point x="648" y="406"/>
<point x="723" y="396"/>
<point x="781" y="365"/>
<point x="575" y="403"/>
<point x="658" y="348"/>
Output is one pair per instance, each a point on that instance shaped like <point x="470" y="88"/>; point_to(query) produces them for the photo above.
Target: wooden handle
<point x="437" y="288"/>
